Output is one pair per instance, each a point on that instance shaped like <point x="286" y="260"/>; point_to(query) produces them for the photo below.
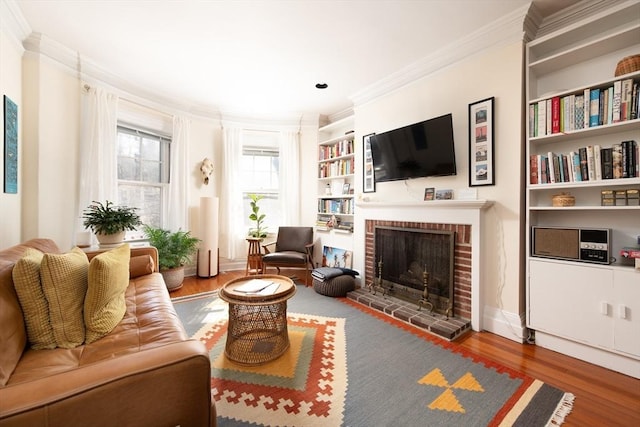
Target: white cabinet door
<point x="572" y="301"/>
<point x="626" y="311"/>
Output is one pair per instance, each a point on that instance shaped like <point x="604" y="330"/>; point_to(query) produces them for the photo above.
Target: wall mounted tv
<point x="414" y="151"/>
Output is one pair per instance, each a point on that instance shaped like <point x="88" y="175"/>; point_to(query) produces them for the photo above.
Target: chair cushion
<point x="26" y="279"/>
<point x="286" y="257"/>
<point x="335" y="287"/>
<point x="64" y="280"/>
<point x="104" y="304"/>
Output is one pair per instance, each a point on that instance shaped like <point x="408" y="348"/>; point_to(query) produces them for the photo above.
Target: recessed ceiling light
<point x="321" y="85"/>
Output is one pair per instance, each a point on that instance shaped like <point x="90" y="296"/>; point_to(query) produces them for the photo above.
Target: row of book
<point x="337" y="168"/>
<point x="593" y="107"/>
<point x="338" y="206"/>
<point x="590" y="163"/>
<point x="339" y="149"/>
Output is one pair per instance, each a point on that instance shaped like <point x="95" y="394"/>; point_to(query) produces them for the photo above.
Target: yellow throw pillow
<point x="104" y="305"/>
<point x="26" y="280"/>
<point x="64" y="281"/>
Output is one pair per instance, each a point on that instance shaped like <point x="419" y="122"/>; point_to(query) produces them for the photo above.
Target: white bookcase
<point x="589" y="311"/>
<point x="335" y="189"/>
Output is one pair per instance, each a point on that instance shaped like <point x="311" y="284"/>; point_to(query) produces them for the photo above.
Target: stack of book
<point x="590" y="163"/>
<point x="590" y="108"/>
<point x="339" y="149"/>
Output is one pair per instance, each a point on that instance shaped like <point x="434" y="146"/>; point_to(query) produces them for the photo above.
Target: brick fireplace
<point x="461" y="261"/>
<point x="464" y="217"/>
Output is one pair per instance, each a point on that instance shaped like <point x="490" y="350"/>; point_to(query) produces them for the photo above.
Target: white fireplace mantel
<point x="436" y="211"/>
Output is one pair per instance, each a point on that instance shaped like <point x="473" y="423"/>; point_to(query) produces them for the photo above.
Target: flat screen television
<point x="414" y="151"/>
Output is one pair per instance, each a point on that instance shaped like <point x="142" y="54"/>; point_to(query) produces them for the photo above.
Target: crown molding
<point x="580" y="11"/>
<point x="501" y="32"/>
<point x="532" y="21"/>
<point x="13" y="24"/>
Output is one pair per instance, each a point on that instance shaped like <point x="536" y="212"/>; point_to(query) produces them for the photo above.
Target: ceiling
<point x="264" y="57"/>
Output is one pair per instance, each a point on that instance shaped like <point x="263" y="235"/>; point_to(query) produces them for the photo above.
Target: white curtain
<point x="290" y="177"/>
<point x="176" y="209"/>
<point x="98" y="150"/>
<point x="232" y="230"/>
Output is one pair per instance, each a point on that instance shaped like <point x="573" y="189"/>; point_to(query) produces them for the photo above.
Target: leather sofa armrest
<point x="135" y="251"/>
<point x="166" y="385"/>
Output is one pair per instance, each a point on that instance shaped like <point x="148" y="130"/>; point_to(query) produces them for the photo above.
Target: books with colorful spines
<point x="601" y="107"/>
<point x="532" y="120"/>
<point x="591" y="166"/>
<point x="555" y="114"/>
<point x="579" y="107"/>
<point x="542" y="118"/>
<point x="626" y="99"/>
<point x="564" y="168"/>
<point x="543" y="169"/>
<point x="606" y="160"/>
<point x="554" y="168"/>
<point x="594" y="108"/>
<point x="617" y="98"/>
<point x="575" y="161"/>
<point x="610" y="105"/>
<point x="635" y="103"/>
<point x="616" y="159"/>
<point x="587" y="107"/>
<point x="533" y="169"/>
<point x="625" y="159"/>
<point x="584" y="165"/>
<point x="597" y="162"/>
<point x="629" y="252"/>
<point x="571" y="106"/>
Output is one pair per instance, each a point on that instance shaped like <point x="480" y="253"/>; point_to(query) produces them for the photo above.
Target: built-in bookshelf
<point x="583" y="140"/>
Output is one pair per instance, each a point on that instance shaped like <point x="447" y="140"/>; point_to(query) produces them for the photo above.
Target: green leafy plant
<point x="108" y="218"/>
<point x="259" y="232"/>
<point x="174" y="249"/>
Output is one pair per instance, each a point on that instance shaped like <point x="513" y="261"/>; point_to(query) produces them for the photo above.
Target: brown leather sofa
<point x="146" y="372"/>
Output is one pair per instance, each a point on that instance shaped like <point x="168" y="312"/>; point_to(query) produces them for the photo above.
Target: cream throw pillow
<point x="26" y="279"/>
<point x="64" y="281"/>
<point x="104" y="305"/>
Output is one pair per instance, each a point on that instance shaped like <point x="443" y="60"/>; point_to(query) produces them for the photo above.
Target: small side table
<point x="254" y="257"/>
<point x="257" y="331"/>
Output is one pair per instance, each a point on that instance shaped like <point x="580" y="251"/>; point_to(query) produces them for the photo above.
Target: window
<point x="260" y="175"/>
<point x="143" y="172"/>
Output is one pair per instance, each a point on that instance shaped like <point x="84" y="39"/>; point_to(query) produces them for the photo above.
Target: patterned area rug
<point x="351" y="366"/>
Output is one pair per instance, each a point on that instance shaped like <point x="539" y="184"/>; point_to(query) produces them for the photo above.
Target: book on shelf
<point x="591" y="107"/>
<point x="630" y="252"/>
<point x="588" y="163"/>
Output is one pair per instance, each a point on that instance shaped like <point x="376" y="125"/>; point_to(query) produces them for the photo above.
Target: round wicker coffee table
<point x="257" y="331"/>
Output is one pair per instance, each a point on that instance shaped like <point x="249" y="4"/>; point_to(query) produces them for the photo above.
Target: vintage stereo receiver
<point x="577" y="244"/>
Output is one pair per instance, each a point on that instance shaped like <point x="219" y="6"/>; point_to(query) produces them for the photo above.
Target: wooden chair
<point x="293" y="249"/>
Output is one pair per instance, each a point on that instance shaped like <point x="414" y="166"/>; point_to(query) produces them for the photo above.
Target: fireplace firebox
<point x="416" y="265"/>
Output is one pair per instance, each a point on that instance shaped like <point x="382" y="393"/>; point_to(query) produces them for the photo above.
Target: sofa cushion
<point x="104" y="304"/>
<point x="26" y="279"/>
<point x="141" y="265"/>
<point x="64" y="280"/>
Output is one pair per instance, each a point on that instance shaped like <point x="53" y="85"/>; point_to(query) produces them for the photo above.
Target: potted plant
<point x="174" y="251"/>
<point x="110" y="222"/>
<point x="259" y="232"/>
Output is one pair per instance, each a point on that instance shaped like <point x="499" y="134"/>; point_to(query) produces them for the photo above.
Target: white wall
<point x="496" y="73"/>
<point x="10" y="85"/>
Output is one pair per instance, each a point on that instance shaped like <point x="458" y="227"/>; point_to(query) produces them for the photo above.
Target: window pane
<point x="127" y="168"/>
<point x="146" y="198"/>
<point x="270" y="206"/>
<point x="150" y="149"/>
<point x="151" y="172"/>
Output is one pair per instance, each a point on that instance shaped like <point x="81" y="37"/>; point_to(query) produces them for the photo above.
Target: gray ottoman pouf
<point x="336" y="286"/>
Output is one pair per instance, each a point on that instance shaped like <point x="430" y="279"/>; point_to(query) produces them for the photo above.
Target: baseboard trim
<point x="506" y="324"/>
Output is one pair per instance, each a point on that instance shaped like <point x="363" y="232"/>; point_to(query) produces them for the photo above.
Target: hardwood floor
<point x="603" y="397"/>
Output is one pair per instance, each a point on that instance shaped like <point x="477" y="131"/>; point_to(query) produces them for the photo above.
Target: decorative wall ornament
<point x="206" y="168"/>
